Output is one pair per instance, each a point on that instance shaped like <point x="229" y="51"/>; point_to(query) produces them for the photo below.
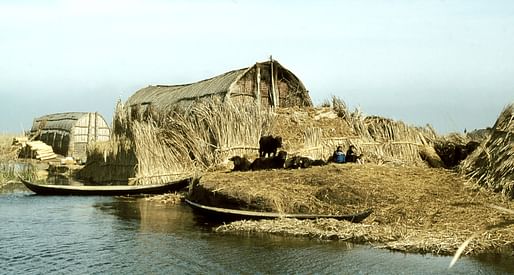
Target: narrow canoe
<point x="104" y="190"/>
<point x="235" y="214"/>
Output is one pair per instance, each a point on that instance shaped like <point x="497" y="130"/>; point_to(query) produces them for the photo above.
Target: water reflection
<point x="71" y="234"/>
<point x="216" y="253"/>
<point x="13" y="187"/>
<point x="154" y="217"/>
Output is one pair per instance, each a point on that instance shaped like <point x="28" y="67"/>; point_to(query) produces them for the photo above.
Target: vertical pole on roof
<point x="88" y="127"/>
<point x="258" y="91"/>
<point x="96" y="125"/>
<point x="273" y="96"/>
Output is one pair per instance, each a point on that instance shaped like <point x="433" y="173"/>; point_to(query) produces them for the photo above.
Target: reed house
<point x="70" y="133"/>
<point x="266" y="83"/>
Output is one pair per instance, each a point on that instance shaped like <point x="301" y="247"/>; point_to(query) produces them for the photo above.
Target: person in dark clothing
<point x="339" y="156"/>
<point x="351" y="155"/>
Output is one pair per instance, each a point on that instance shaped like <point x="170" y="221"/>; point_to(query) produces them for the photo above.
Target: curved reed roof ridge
<point x="241" y="82"/>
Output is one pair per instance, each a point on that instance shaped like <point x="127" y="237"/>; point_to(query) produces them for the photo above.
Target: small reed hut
<point x="267" y="83"/>
<point x="70" y="133"/>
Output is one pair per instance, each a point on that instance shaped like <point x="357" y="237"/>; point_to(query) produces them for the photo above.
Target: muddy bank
<point x="416" y="209"/>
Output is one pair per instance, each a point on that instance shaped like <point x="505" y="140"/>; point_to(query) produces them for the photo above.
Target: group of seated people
<point x="340" y="157"/>
<point x="270" y="159"/>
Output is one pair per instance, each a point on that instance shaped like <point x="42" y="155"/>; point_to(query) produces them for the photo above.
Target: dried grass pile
<point x="149" y="147"/>
<point x="316" y="132"/>
<point x="10" y="167"/>
<point x="7" y="151"/>
<point x="416" y="209"/>
<point x="153" y="147"/>
<point x="112" y="161"/>
<point x="492" y="164"/>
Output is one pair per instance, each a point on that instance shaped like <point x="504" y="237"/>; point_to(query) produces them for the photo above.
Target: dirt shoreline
<point x="416" y="209"/>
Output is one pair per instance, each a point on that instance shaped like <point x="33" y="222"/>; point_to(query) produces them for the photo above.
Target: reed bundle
<point x="166" y="146"/>
<point x="109" y="161"/>
<point x="161" y="145"/>
<point x="226" y="129"/>
<point x="159" y="158"/>
<point x="492" y="163"/>
<point x="317" y="132"/>
<point x="7" y="150"/>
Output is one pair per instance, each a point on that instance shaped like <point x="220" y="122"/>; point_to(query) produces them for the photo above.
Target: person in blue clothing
<point x="339" y="156"/>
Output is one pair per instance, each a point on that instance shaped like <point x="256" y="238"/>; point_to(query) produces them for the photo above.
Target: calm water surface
<point x="105" y="235"/>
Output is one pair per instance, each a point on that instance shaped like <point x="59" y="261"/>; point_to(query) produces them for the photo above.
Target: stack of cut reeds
<point x="379" y="139"/>
<point x="492" y="163"/>
<point x="109" y="161"/>
<point x="35" y="149"/>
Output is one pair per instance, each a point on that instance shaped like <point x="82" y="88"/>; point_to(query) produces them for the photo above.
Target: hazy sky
<point x="446" y="63"/>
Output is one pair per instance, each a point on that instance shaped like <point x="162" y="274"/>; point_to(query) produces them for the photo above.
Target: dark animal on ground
<point x="240" y="163"/>
<point x="318" y="162"/>
<point x="275" y="162"/>
<point x="298" y="162"/>
<point x="268" y="145"/>
<point x="303" y="162"/>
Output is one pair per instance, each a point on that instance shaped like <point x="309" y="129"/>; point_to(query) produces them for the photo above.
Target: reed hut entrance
<point x="70" y="133"/>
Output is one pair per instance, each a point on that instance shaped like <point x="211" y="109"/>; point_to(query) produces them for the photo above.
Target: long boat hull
<point x="104" y="190"/>
<point x="235" y="214"/>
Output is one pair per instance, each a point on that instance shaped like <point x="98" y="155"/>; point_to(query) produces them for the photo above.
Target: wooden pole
<point x="273" y="97"/>
<point x="258" y="91"/>
<point x="88" y="127"/>
<point x="96" y="126"/>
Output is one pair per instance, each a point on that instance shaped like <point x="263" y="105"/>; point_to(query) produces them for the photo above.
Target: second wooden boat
<point x="235" y="214"/>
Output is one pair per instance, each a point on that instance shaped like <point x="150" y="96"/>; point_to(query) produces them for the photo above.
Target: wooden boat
<point x="104" y="190"/>
<point x="234" y="214"/>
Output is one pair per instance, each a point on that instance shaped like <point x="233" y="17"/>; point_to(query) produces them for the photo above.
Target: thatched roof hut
<point x="70" y="133"/>
<point x="267" y="83"/>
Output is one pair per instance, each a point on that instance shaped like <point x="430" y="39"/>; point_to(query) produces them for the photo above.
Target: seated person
<point x="338" y="156"/>
<point x="351" y="155"/>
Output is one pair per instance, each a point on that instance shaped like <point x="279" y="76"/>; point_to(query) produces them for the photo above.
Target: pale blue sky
<point x="446" y="63"/>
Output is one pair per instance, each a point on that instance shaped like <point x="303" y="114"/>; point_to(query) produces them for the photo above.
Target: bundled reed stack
<point x="492" y="163"/>
<point x="396" y="141"/>
<point x="152" y="148"/>
<point x="212" y="130"/>
<point x="37" y="150"/>
<point x="112" y="161"/>
<point x="9" y="147"/>
<point x="379" y="139"/>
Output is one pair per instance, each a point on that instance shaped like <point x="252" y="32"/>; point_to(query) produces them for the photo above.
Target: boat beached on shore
<point x="105" y="190"/>
<point x="236" y="214"/>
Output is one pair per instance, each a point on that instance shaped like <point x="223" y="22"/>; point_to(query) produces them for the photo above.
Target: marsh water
<point x="127" y="235"/>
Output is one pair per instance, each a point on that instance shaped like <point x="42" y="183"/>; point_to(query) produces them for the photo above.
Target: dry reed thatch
<point x="317" y="132"/>
<point x="416" y="209"/>
<point x="157" y="148"/>
<point x="7" y="150"/>
<point x="11" y="168"/>
<point x="154" y="147"/>
<point x="492" y="164"/>
<point x="110" y="161"/>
